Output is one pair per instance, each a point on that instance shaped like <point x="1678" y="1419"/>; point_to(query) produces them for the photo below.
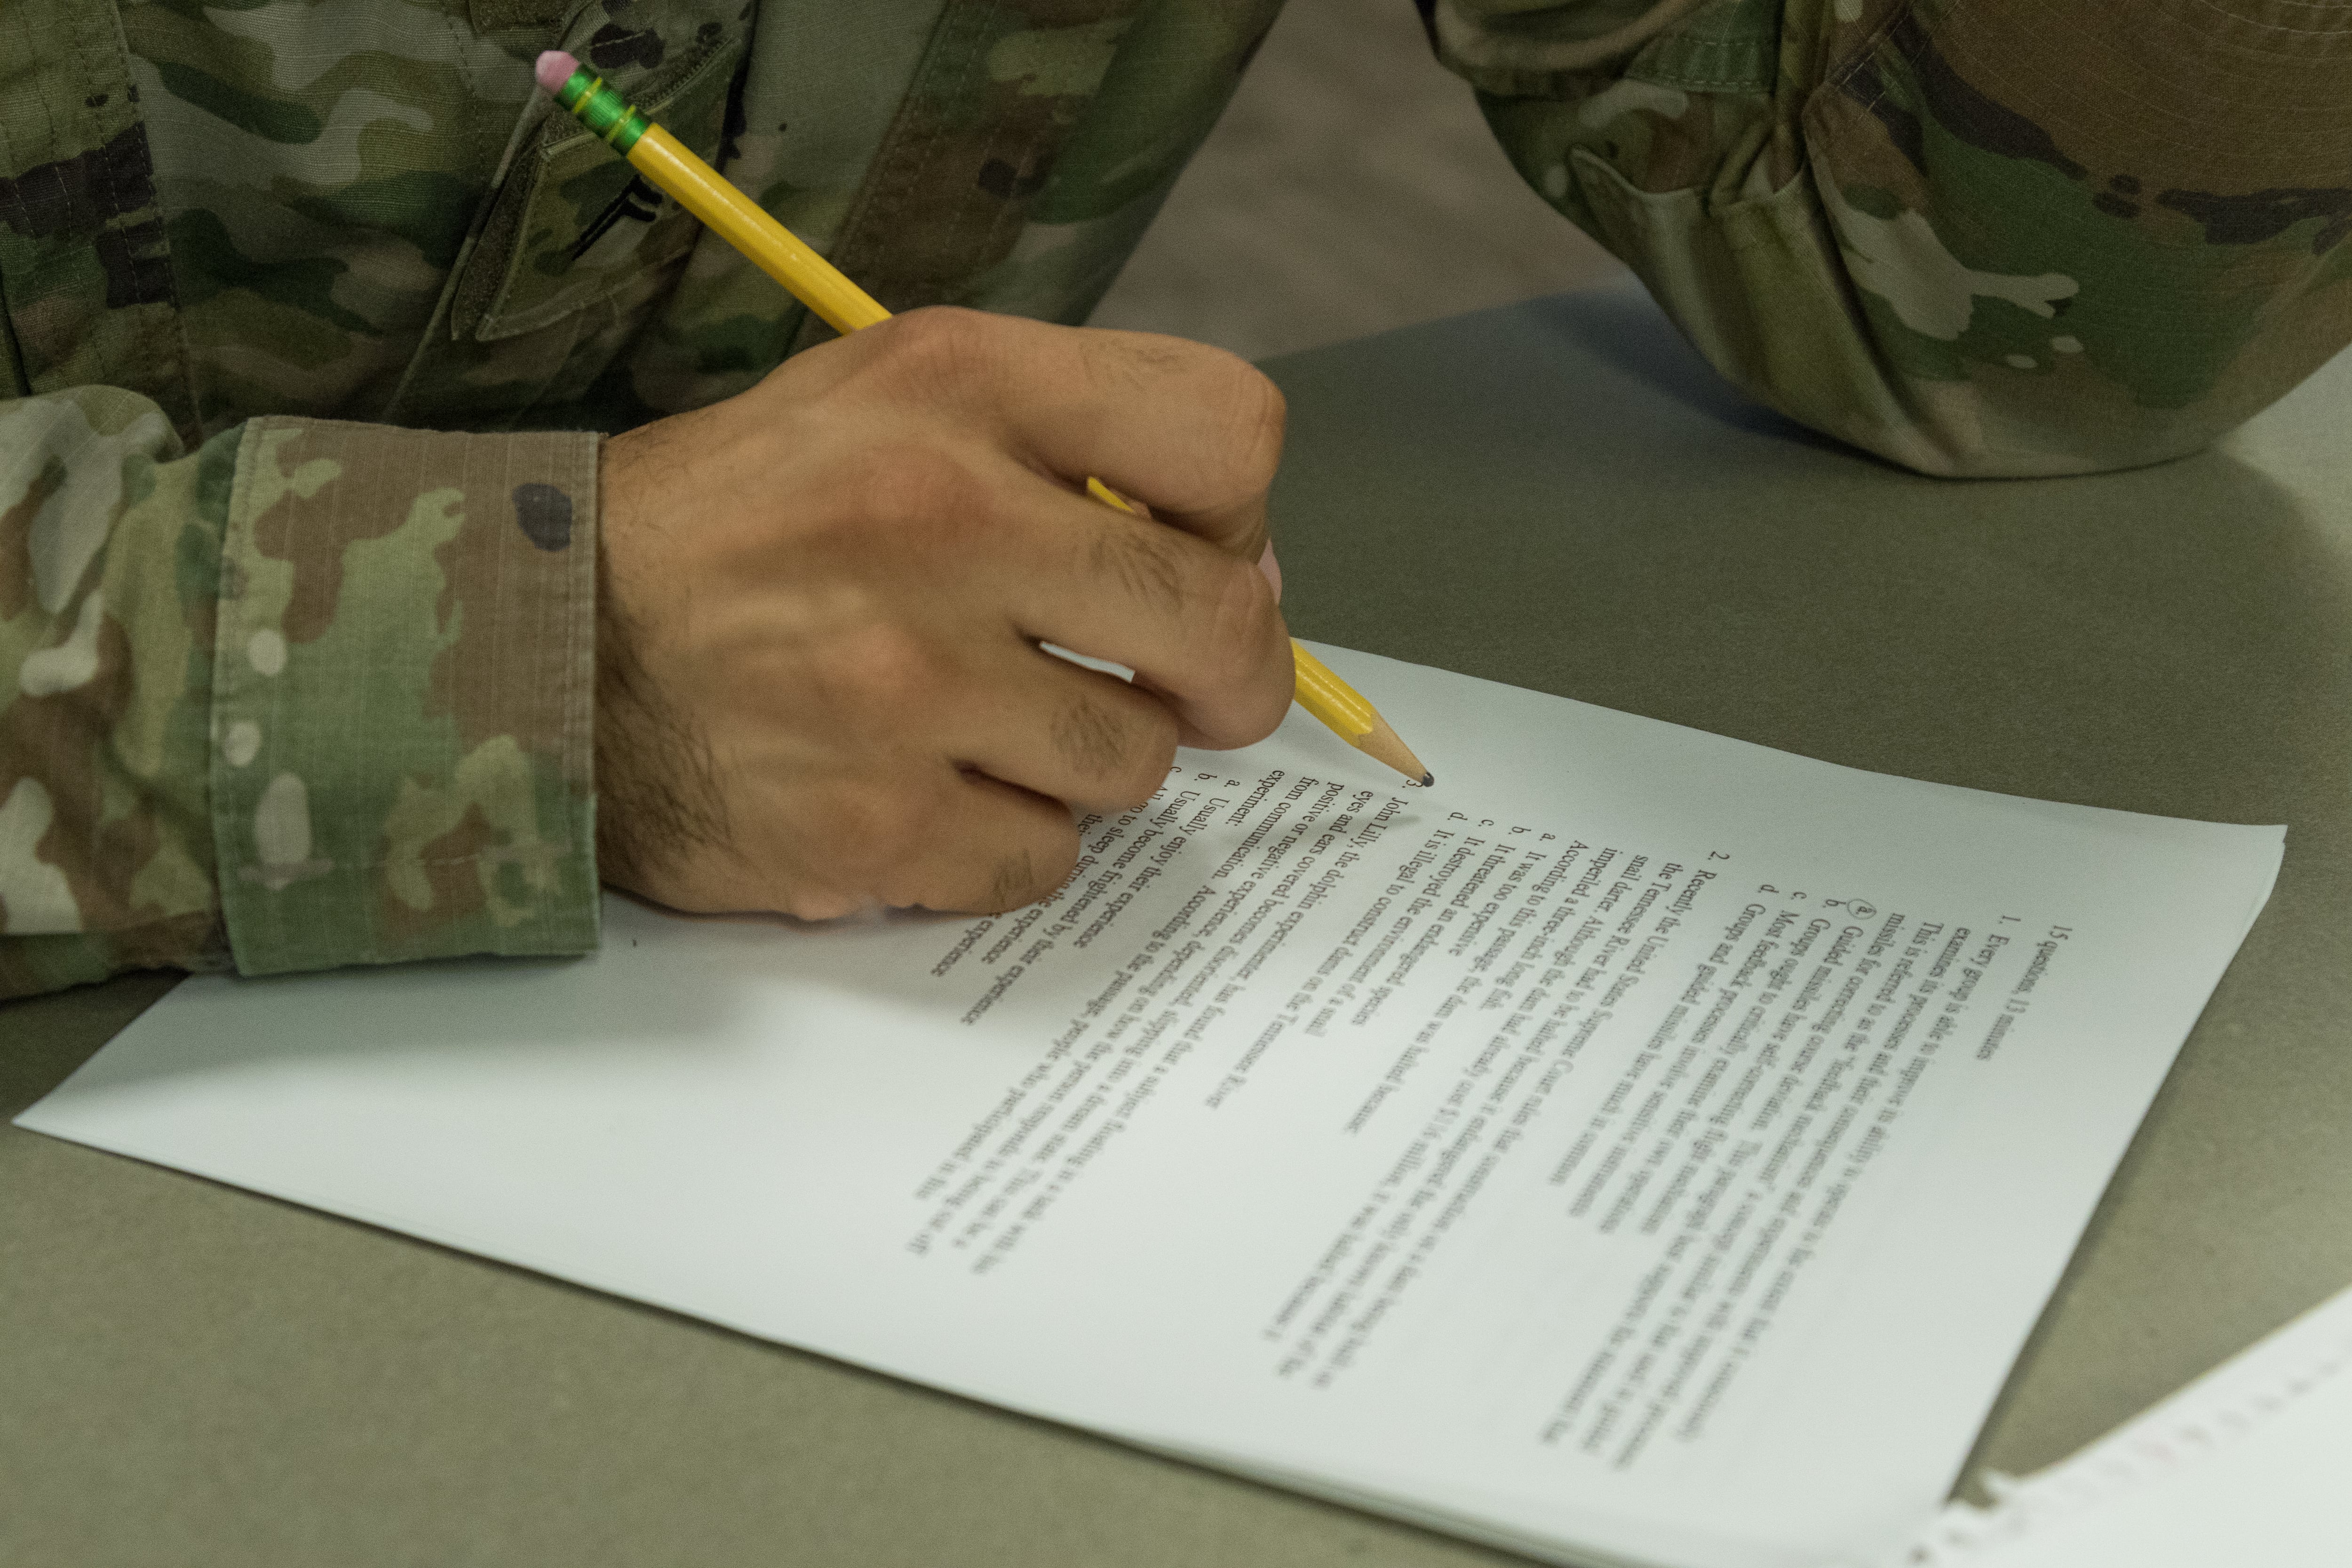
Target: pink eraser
<point x="555" y="68"/>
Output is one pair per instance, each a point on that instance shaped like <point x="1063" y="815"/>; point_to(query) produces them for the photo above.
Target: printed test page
<point x="1643" y="1146"/>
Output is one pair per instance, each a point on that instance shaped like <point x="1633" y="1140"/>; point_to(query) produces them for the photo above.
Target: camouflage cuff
<point x="402" y="701"/>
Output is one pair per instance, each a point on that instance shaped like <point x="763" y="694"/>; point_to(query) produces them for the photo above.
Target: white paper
<point x="2245" y="1465"/>
<point x="1673" y="1183"/>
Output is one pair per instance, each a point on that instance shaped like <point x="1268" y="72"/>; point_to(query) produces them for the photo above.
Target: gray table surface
<point x="1556" y="495"/>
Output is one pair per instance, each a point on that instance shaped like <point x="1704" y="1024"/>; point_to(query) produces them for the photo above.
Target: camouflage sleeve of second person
<point x="311" y="694"/>
<point x="1989" y="238"/>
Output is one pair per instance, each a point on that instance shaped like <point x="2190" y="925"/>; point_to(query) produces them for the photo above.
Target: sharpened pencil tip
<point x="1381" y="743"/>
<point x="1427" y="780"/>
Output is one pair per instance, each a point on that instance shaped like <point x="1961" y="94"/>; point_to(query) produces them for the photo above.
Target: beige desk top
<point x="1555" y="495"/>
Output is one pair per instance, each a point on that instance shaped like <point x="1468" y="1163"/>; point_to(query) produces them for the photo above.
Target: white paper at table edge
<point x="2221" y="1408"/>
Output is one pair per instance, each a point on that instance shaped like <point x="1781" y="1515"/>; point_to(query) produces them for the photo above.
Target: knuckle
<point x="1029" y="873"/>
<point x="1147" y="766"/>
<point x="939" y="345"/>
<point x="1255" y="416"/>
<point x="1144" y="560"/>
<point x="1123" y="746"/>
<point x="1238" y="653"/>
<point x="1242" y="416"/>
<point x="897" y="484"/>
<point x="811" y="903"/>
<point x="878" y="670"/>
<point x="1120" y="364"/>
<point x="1237" y="414"/>
<point x="1091" y="737"/>
<point x="1234" y="620"/>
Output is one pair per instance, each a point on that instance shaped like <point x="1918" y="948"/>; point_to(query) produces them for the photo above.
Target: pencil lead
<point x="1427" y="780"/>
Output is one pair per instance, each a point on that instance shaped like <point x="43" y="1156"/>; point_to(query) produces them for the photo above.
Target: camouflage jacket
<point x="1975" y="237"/>
<point x="291" y="681"/>
<point x="299" y="681"/>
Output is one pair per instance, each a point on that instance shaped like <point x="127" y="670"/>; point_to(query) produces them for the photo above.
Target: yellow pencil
<point x="845" y="308"/>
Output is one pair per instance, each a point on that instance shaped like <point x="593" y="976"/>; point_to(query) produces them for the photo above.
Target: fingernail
<point x="1273" y="569"/>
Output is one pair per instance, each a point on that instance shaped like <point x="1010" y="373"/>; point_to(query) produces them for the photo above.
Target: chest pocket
<point x="575" y="227"/>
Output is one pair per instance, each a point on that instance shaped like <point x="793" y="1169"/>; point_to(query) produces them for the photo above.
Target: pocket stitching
<point x="496" y="324"/>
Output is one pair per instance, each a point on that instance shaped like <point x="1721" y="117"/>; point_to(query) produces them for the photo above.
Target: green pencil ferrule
<point x="603" y="111"/>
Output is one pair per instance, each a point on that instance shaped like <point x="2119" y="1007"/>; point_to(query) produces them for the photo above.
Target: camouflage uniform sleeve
<point x="1974" y="236"/>
<point x="313" y="694"/>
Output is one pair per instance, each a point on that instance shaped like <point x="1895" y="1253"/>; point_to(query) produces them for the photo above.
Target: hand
<point x="819" y="687"/>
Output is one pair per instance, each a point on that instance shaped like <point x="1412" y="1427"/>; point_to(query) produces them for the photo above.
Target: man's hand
<point x="819" y="687"/>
